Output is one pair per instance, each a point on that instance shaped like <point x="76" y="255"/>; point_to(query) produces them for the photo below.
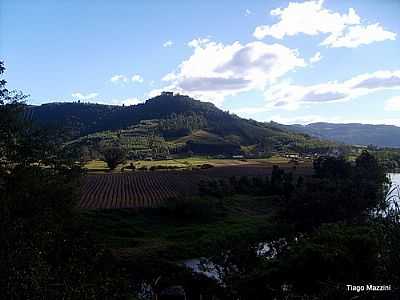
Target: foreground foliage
<point x="45" y="252"/>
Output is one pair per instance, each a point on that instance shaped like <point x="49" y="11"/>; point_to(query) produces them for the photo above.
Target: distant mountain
<point x="352" y="133"/>
<point x="171" y="121"/>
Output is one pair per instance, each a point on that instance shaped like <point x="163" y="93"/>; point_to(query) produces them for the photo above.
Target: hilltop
<point x="169" y="124"/>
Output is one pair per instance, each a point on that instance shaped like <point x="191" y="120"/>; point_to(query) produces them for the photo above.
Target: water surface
<point x="395" y="178"/>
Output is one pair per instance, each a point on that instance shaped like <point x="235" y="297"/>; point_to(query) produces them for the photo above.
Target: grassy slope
<point x="203" y="136"/>
<point x="98" y="165"/>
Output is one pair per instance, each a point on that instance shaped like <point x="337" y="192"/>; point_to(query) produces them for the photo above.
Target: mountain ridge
<point x="380" y="135"/>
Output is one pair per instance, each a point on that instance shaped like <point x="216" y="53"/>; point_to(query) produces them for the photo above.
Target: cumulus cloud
<point x="168" y="43"/>
<point x="284" y="95"/>
<point x="122" y="79"/>
<point x="380" y="79"/>
<point x="137" y="78"/>
<point x="216" y="70"/>
<point x="311" y="18"/>
<point x="198" y="42"/>
<point x="355" y="36"/>
<point x="292" y="96"/>
<point x="393" y="104"/>
<point x="307" y="119"/>
<point x="119" y="78"/>
<point x="315" y="58"/>
<point x="125" y="101"/>
<point x="213" y="84"/>
<point x="247" y="12"/>
<point x="81" y="96"/>
<point x="169" y="77"/>
<point x="156" y="92"/>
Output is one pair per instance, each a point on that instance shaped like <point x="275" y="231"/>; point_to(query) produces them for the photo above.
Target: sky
<point x="287" y="61"/>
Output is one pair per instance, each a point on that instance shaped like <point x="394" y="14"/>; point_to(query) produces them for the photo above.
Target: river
<point x="394" y="195"/>
<point x="395" y="178"/>
<point x="206" y="267"/>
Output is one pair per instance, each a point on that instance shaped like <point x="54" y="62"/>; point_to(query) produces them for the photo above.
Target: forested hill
<point x="90" y="117"/>
<point x="352" y="133"/>
<point x="176" y="119"/>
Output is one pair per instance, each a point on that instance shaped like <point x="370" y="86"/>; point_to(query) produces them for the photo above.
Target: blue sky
<point x="288" y="61"/>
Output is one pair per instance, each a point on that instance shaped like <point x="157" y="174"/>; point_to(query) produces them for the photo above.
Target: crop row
<point x="150" y="189"/>
<point x="134" y="189"/>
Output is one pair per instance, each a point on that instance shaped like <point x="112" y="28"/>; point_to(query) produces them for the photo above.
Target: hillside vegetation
<point x="169" y="124"/>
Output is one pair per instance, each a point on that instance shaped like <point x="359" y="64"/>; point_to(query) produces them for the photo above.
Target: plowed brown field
<point x="151" y="188"/>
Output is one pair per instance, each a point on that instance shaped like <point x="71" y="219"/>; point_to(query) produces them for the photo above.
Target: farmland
<point x="134" y="189"/>
<point x="186" y="163"/>
<point x="143" y="189"/>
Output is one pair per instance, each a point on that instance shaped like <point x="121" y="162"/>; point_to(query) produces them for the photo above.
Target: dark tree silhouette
<point x="45" y="252"/>
<point x="113" y="156"/>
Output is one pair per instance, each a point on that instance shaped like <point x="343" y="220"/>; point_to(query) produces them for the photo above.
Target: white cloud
<point x="122" y="79"/>
<point x="119" y="78"/>
<point x="292" y="96"/>
<point x="307" y="17"/>
<point x="168" y="43"/>
<point x="285" y="95"/>
<point x="81" y="96"/>
<point x="137" y="78"/>
<point x="247" y="111"/>
<point x="198" y="42"/>
<point x="393" y="104"/>
<point x="247" y="12"/>
<point x="156" y="92"/>
<point x="316" y="58"/>
<point x="126" y="101"/>
<point x="308" y="119"/>
<point x="358" y="35"/>
<point x="311" y="18"/>
<point x="376" y="80"/>
<point x="169" y="77"/>
<point x="215" y="70"/>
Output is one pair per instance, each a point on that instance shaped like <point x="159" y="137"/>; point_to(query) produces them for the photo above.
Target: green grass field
<point x="184" y="163"/>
